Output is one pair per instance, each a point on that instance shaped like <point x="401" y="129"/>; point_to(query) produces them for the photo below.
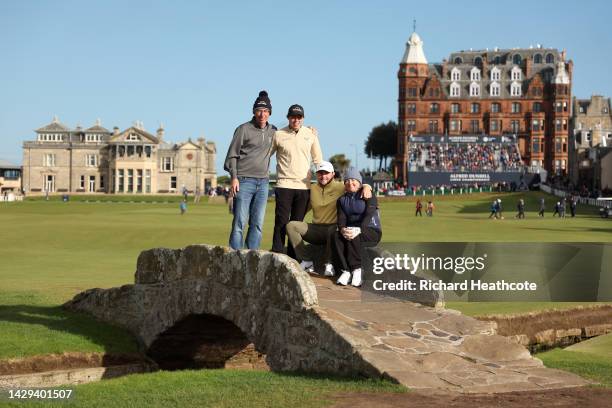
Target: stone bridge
<point x="261" y="309"/>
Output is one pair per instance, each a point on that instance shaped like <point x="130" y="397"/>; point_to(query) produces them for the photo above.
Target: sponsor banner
<point x="432" y="178"/>
<point x="491" y="272"/>
<point x="461" y="139"/>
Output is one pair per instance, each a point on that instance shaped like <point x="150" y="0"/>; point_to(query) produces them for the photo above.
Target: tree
<point x="222" y="180"/>
<point x="340" y="162"/>
<point x="382" y="142"/>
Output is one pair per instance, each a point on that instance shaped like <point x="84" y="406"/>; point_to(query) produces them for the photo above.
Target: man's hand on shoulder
<point x="366" y="191"/>
<point x="235" y="187"/>
<point x="313" y="130"/>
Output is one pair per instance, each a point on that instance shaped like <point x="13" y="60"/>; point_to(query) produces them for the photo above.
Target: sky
<point x="197" y="66"/>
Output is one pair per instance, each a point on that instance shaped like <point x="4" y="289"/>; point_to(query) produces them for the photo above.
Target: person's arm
<point x="366" y="191"/>
<point x="371" y="208"/>
<point x="315" y="150"/>
<point x="231" y="159"/>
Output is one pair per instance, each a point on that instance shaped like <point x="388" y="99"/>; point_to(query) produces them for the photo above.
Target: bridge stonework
<point x="308" y="324"/>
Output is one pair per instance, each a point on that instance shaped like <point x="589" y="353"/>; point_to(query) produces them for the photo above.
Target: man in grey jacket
<point x="248" y="161"/>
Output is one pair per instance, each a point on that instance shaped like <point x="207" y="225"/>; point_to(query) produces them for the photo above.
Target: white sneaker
<point x="344" y="278"/>
<point x="329" y="270"/>
<point x="357" y="281"/>
<point x="307" y="266"/>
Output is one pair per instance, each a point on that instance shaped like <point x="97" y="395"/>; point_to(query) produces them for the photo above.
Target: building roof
<point x="414" y="51"/>
<point x="54" y="126"/>
<point x="97" y="128"/>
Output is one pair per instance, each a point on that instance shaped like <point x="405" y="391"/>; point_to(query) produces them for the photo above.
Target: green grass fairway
<point x="595" y="366"/>
<point x="52" y="250"/>
<point x="601" y="345"/>
<point x="215" y="388"/>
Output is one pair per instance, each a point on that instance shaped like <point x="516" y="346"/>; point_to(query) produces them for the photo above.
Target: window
<point x="139" y="181"/>
<point x="474" y="108"/>
<point x="411" y="125"/>
<point x="49" y="160"/>
<point x="495" y="74"/>
<point x="550" y="59"/>
<point x="434" y="108"/>
<point x="515" y="89"/>
<point x="535" y="125"/>
<point x="458" y="60"/>
<point x="82" y="184"/>
<point x="604" y="109"/>
<point x="433" y="126"/>
<point x="120" y="183"/>
<point x="148" y="151"/>
<point x="167" y="164"/>
<point x="537" y="107"/>
<point x="455" y="108"/>
<point x="102" y="182"/>
<point x="494" y="126"/>
<point x="91" y="160"/>
<point x="475" y="74"/>
<point x="558" y="145"/>
<point x="558" y="107"/>
<point x="535" y="145"/>
<point x="516" y="74"/>
<point x="516" y="59"/>
<point x="411" y="108"/>
<point x="147" y="181"/>
<point x="455" y="89"/>
<point x="474" y="89"/>
<point x="495" y="107"/>
<point x="412" y="92"/>
<point x="474" y="126"/>
<point x="564" y="106"/>
<point x="130" y="181"/>
<point x="434" y="92"/>
<point x="455" y="125"/>
<point x="478" y="61"/>
<point x="537" y="59"/>
<point x="515" y="126"/>
<point x="173" y="183"/>
<point x="497" y="60"/>
<point x="495" y="88"/>
<point x="133" y="137"/>
<point x="456" y="74"/>
<point x="516" y="107"/>
<point x="89" y="137"/>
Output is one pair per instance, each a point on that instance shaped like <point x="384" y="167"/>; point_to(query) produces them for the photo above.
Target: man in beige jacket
<point x="296" y="147"/>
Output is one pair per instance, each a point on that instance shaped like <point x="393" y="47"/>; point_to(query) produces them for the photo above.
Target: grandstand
<point x="464" y="159"/>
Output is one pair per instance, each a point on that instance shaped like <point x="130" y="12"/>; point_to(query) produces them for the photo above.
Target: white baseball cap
<point x="325" y="166"/>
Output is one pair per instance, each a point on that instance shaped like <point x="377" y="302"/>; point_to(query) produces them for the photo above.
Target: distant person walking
<point x="430" y="208"/>
<point x="419" y="206"/>
<point x="542" y="207"/>
<point x="196" y="197"/>
<point x="185" y="193"/>
<point x="493" y="210"/>
<point x="183" y="206"/>
<point x="573" y="205"/>
<point x="557" y="209"/>
<point x="562" y="207"/>
<point x="520" y="206"/>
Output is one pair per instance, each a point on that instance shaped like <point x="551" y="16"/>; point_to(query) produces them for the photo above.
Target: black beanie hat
<point x="262" y="101"/>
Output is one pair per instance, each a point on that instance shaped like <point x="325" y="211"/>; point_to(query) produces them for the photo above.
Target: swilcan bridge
<point x="205" y="306"/>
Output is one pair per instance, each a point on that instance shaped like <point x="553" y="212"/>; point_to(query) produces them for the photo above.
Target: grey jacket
<point x="249" y="153"/>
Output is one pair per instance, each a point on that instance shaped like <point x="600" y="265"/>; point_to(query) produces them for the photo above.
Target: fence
<point x="581" y="200"/>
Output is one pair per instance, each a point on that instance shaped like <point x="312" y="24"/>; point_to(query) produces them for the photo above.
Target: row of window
<point x="92" y="160"/>
<point x="494" y="89"/>
<point x="91" y="185"/>
<point x="475" y="74"/>
<point x="58" y="137"/>
<point x="515" y="107"/>
<point x="133" y="181"/>
<point x="517" y="59"/>
<point x="495" y="125"/>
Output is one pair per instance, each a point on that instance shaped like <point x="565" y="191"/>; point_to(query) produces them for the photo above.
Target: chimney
<point x="444" y="69"/>
<point x="528" y="66"/>
<point x="115" y="130"/>
<point x="160" y="132"/>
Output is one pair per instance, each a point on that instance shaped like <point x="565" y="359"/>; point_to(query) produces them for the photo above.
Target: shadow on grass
<point x="59" y="321"/>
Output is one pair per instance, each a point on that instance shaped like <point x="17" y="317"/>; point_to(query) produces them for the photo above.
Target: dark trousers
<point x="418" y="212"/>
<point x="291" y="205"/>
<point x="346" y="255"/>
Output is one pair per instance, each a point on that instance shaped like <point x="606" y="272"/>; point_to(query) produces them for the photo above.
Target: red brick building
<point x="521" y="92"/>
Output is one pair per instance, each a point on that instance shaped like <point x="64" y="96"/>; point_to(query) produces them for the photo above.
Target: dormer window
<point x="455" y="74"/>
<point x="550" y="59"/>
<point x="495" y="89"/>
<point x="516" y="59"/>
<point x="495" y="74"/>
<point x="132" y="137"/>
<point x="474" y="89"/>
<point x="475" y="74"/>
<point x="537" y="59"/>
<point x="455" y="89"/>
<point x="458" y="60"/>
<point x="515" y="89"/>
<point x="516" y="74"/>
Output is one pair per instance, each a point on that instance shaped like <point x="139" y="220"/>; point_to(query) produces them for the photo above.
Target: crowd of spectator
<point x="465" y="157"/>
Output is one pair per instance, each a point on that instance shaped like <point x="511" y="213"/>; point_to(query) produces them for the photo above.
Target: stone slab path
<point x="427" y="348"/>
